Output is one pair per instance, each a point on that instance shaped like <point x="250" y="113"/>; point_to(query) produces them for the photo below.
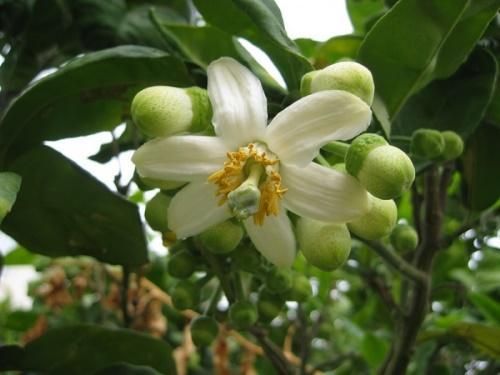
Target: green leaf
<point x="63" y="210"/>
<point x="488" y="307"/>
<point x="84" y="349"/>
<point x="259" y="22"/>
<point x="373" y="349"/>
<point x="361" y="11"/>
<point x="307" y="47"/>
<point x="485" y="338"/>
<point x="202" y="45"/>
<point x="481" y="175"/>
<point x="89" y="94"/>
<point x="457" y="103"/>
<point x="20" y="320"/>
<point x="335" y="49"/>
<point x="19" y="256"/>
<point x="10" y="183"/>
<point x="416" y="42"/>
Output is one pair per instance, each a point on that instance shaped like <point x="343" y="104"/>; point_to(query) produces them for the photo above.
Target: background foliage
<point x="435" y="65"/>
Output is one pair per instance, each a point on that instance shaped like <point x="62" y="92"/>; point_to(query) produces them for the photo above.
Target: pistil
<point x="244" y="201"/>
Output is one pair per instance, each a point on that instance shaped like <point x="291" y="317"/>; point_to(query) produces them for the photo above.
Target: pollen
<point x="234" y="173"/>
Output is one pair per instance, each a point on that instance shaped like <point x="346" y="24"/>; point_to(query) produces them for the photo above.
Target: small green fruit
<point x="269" y="305"/>
<point x="181" y="265"/>
<point x="384" y="170"/>
<point x="243" y="314"/>
<point x="427" y="143"/>
<point x="346" y="75"/>
<point x="222" y="238"/>
<point x="204" y="330"/>
<point x="324" y="245"/>
<point x="160" y="111"/>
<point x="404" y="237"/>
<point x="185" y="295"/>
<point x="156" y="212"/>
<point x="378" y="222"/>
<point x="246" y="258"/>
<point x="279" y="280"/>
<point x="453" y="145"/>
<point x="301" y="289"/>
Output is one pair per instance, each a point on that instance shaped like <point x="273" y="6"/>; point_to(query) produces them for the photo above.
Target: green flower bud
<point x="243" y="314"/>
<point x="301" y="289"/>
<point x="404" y="237"/>
<point x="222" y="238"/>
<point x="204" y="330"/>
<point x="160" y="111"/>
<point x="156" y="212"/>
<point x="384" y="170"/>
<point x="279" y="280"/>
<point x="453" y="145"/>
<point x="246" y="259"/>
<point x="185" y="295"/>
<point x="324" y="245"/>
<point x="181" y="265"/>
<point x="346" y="75"/>
<point x="269" y="305"/>
<point x="378" y="222"/>
<point x="427" y="143"/>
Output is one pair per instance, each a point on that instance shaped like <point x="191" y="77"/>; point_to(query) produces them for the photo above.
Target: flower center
<point x="250" y="182"/>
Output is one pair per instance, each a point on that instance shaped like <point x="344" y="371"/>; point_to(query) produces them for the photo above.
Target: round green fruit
<point x="204" y="330"/>
<point x="243" y="314"/>
<point x="181" y="265"/>
<point x="404" y="237"/>
<point x="185" y="295"/>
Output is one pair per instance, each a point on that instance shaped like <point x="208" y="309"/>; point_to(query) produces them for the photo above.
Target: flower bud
<point x="279" y="280"/>
<point x="181" y="265"/>
<point x="301" y="289"/>
<point x="404" y="237"/>
<point x="185" y="295"/>
<point x="453" y="145"/>
<point x="243" y="314"/>
<point x="246" y="259"/>
<point x="204" y="330"/>
<point x="324" y="245"/>
<point x="222" y="238"/>
<point x="156" y="212"/>
<point x="269" y="305"/>
<point x="427" y="143"/>
<point x="346" y="75"/>
<point x="160" y="111"/>
<point x="384" y="170"/>
<point x="378" y="222"/>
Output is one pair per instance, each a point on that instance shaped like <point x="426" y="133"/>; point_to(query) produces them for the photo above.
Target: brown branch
<point x="273" y="352"/>
<point x="408" y="326"/>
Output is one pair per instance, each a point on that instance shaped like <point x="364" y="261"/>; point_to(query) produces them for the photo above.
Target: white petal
<point x="238" y="101"/>
<point x="297" y="133"/>
<point x="323" y="194"/>
<point x="274" y="239"/>
<point x="180" y="158"/>
<point x="194" y="209"/>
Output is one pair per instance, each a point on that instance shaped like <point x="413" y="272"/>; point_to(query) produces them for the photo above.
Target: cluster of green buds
<point x="432" y="144"/>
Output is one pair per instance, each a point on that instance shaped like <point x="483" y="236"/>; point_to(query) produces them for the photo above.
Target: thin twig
<point x="273" y="352"/>
<point x="406" y="269"/>
<point x="124" y="296"/>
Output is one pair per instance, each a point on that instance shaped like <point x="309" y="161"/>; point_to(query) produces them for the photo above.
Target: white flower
<point x="256" y="172"/>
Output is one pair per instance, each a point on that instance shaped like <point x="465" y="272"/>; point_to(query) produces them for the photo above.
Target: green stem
<point x="321" y="159"/>
<point x="213" y="301"/>
<point x="404" y="138"/>
<point x="337" y="148"/>
<point x="238" y="287"/>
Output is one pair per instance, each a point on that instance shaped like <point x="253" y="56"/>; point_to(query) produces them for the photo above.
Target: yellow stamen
<point x="232" y="175"/>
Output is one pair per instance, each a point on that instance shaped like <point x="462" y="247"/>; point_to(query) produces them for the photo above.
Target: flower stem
<point x="321" y="159"/>
<point x="337" y="148"/>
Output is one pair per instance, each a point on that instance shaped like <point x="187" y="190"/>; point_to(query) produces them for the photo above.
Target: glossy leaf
<point x="84" y="349"/>
<point x="62" y="210"/>
<point x="488" y="307"/>
<point x="481" y="175"/>
<point x="259" y="22"/>
<point x="335" y="49"/>
<point x="485" y="338"/>
<point x="202" y="45"/>
<point x="126" y="369"/>
<point x="89" y="94"/>
<point x="457" y="103"/>
<point x="361" y="11"/>
<point x="415" y="42"/>
<point x="10" y="183"/>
